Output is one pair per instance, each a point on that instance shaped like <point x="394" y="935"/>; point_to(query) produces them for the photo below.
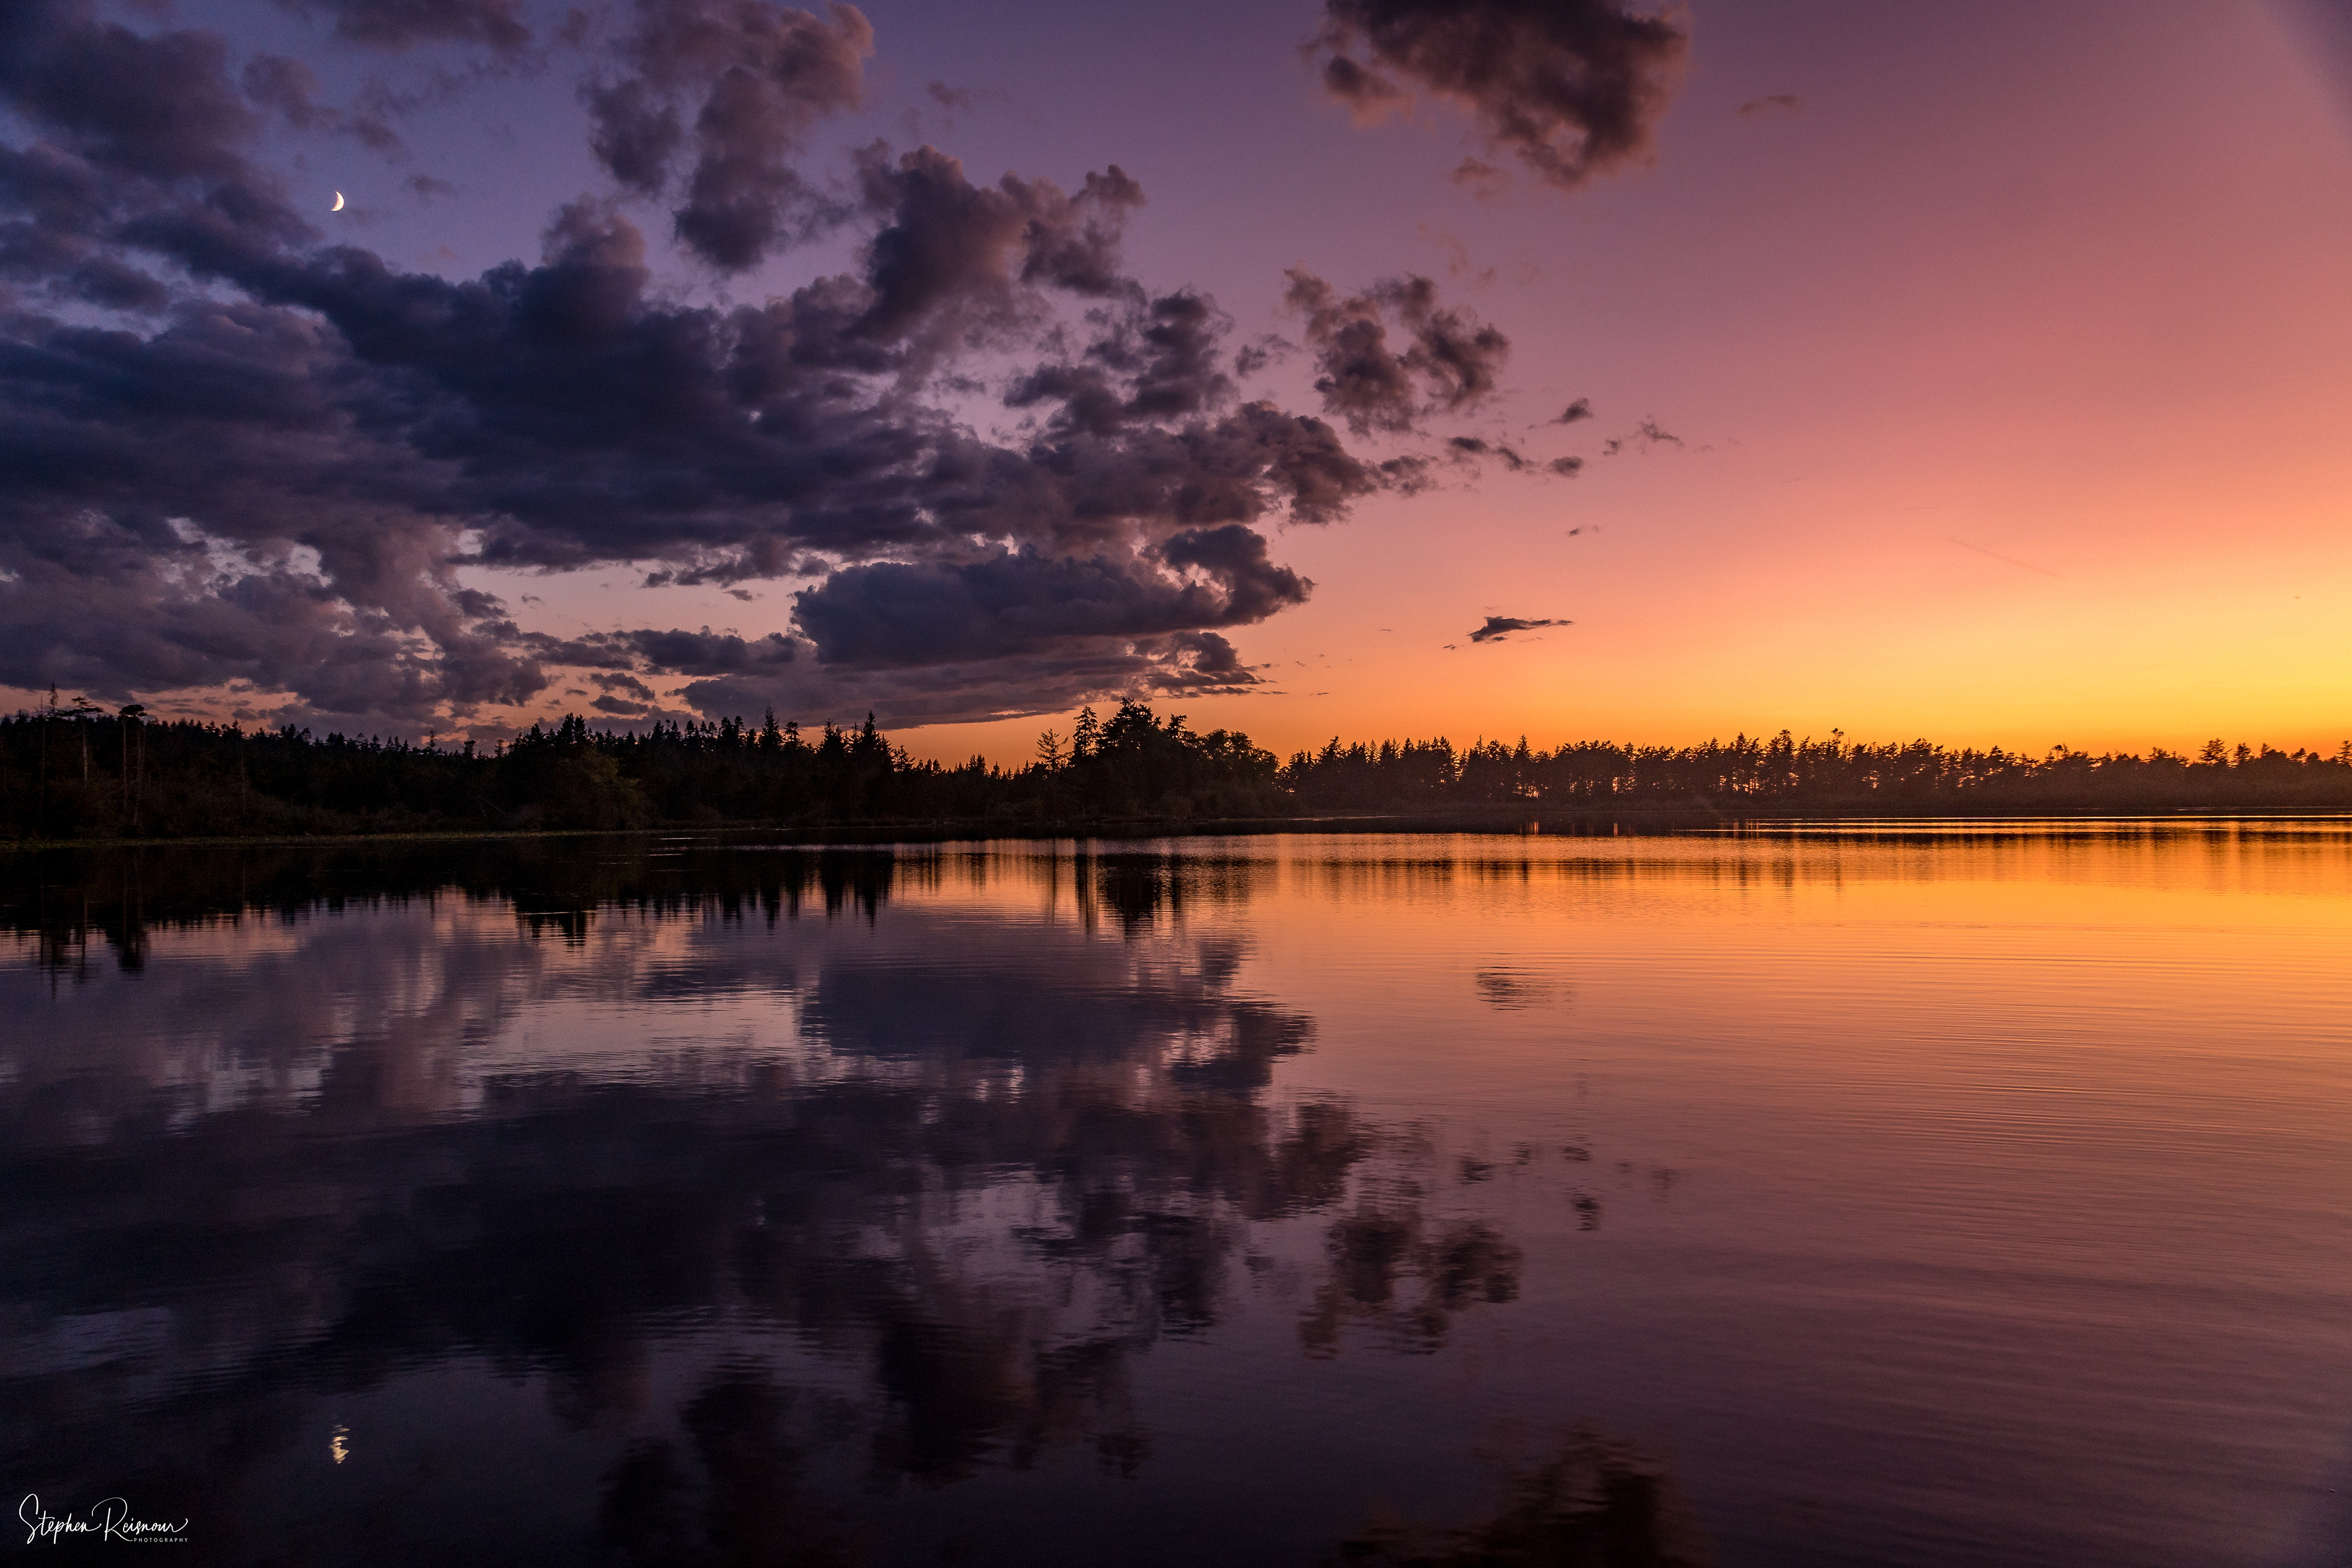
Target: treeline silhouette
<point x="1751" y="775"/>
<point x="75" y="771"/>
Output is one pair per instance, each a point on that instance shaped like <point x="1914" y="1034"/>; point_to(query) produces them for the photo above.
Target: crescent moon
<point x="339" y="202"/>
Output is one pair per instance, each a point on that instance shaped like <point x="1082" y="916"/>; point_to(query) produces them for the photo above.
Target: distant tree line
<point x="75" y="771"/>
<point x="1747" y="774"/>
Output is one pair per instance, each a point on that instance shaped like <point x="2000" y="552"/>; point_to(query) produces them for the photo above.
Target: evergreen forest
<point x="74" y="771"/>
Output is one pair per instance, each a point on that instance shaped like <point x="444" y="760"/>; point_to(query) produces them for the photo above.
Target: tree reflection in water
<point x="1464" y="1263"/>
<point x="750" y="1505"/>
<point x="1591" y="1503"/>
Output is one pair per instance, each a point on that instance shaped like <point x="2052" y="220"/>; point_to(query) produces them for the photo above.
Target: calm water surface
<point x="1938" y="1197"/>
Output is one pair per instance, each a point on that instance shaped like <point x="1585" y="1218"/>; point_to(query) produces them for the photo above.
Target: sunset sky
<point x="1981" y="373"/>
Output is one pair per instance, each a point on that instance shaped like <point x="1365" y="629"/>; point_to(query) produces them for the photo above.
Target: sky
<point x="1370" y="368"/>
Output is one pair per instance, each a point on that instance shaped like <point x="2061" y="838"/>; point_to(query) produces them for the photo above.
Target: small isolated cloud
<point x="1579" y="409"/>
<point x="1468" y="447"/>
<point x="1448" y="365"/>
<point x="1480" y="178"/>
<point x="1499" y="626"/>
<point x="1649" y="433"/>
<point x="626" y="685"/>
<point x="1772" y="103"/>
<point x="1571" y="88"/>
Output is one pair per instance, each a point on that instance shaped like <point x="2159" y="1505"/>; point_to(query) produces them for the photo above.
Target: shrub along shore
<point x="80" y="773"/>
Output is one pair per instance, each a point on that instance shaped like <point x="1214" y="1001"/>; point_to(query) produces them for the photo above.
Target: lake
<point x="1907" y="1194"/>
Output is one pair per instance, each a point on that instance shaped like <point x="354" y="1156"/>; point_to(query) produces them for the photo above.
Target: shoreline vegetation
<point x="75" y="772"/>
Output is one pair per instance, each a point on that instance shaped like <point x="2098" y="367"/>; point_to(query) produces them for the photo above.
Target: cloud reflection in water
<point x="899" y="1176"/>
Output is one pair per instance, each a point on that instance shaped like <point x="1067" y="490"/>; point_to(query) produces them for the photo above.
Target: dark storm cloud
<point x="955" y="260"/>
<point x="248" y="417"/>
<point x="315" y="569"/>
<point x="156" y="107"/>
<point x="1153" y="361"/>
<point x="112" y="440"/>
<point x="743" y="83"/>
<point x="1570" y="87"/>
<point x="628" y="686"/>
<point x="702" y="653"/>
<point x="117" y="611"/>
<point x="1213" y="657"/>
<point x="1448" y="365"/>
<point x="1503" y="626"/>
<point x="1074" y="241"/>
<point x="582" y="419"/>
<point x="1023" y="602"/>
<point x="1067" y="671"/>
<point x="131" y="131"/>
<point x="403" y="24"/>
<point x="266" y="468"/>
